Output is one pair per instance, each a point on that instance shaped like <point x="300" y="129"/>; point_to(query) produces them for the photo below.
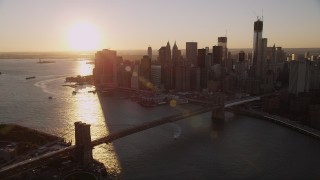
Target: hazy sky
<point x="45" y="25"/>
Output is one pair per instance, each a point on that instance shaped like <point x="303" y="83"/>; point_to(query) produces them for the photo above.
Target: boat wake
<point x="53" y="76"/>
<point x="44" y="84"/>
<point x="177" y="133"/>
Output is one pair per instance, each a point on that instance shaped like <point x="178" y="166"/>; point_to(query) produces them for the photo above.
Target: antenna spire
<point x="262" y="14"/>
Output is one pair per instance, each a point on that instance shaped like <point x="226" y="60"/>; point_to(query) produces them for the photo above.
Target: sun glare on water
<point x="84" y="69"/>
<point x="83" y="37"/>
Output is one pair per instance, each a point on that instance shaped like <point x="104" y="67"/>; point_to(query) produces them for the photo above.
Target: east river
<point x="245" y="147"/>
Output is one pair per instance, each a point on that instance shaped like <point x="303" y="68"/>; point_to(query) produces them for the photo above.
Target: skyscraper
<point x="156" y="75"/>
<point x="207" y="50"/>
<point x="125" y="73"/>
<point x="257" y="49"/>
<point x="135" y="77"/>
<point x="168" y="51"/>
<point x="241" y="69"/>
<point x="191" y="52"/>
<point x="105" y="71"/>
<point x="208" y="61"/>
<point x="162" y="59"/>
<point x="176" y="59"/>
<point x="176" y="53"/>
<point x="195" y="78"/>
<point x="203" y="70"/>
<point x="145" y="73"/>
<point x="294" y="57"/>
<point x="242" y="56"/>
<point x="166" y="66"/>
<point x="222" y="41"/>
<point x="182" y="75"/>
<point x="280" y="55"/>
<point x="229" y="62"/>
<point x="299" y="77"/>
<point x="201" y="58"/>
<point x="217" y="54"/>
<point x="150" y="52"/>
<point x="162" y="54"/>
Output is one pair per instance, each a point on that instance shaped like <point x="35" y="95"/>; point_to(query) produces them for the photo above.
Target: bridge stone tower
<point x="217" y="115"/>
<point x="83" y="143"/>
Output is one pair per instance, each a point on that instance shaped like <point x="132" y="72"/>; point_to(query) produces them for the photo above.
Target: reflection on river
<point x="188" y="149"/>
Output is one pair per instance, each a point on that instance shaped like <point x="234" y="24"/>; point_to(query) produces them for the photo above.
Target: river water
<point x="245" y="147"/>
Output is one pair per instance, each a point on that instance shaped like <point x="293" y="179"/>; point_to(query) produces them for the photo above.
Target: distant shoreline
<point x="124" y="53"/>
<point x="44" y="55"/>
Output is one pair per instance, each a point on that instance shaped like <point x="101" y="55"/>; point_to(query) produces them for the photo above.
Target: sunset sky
<point x="64" y="25"/>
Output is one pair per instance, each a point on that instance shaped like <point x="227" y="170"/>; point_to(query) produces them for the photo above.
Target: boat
<point x="90" y="62"/>
<point x="49" y="97"/>
<point x="70" y="85"/>
<point x="31" y="77"/>
<point x="74" y="92"/>
<point x="42" y="62"/>
<point x="162" y="103"/>
<point x="80" y="83"/>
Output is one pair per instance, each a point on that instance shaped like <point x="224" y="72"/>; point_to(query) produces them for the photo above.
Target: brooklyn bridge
<point x="82" y="150"/>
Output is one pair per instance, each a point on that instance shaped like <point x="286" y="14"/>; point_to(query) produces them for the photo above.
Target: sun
<point x="83" y="37"/>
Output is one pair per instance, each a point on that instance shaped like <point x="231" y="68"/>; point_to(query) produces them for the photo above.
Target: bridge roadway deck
<point x="281" y="120"/>
<point x="228" y="103"/>
<point x="152" y="124"/>
<point x="241" y="101"/>
<point x="169" y="119"/>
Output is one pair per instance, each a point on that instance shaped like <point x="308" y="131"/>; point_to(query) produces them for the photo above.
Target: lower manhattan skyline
<point x="146" y="89"/>
<point x="123" y="25"/>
